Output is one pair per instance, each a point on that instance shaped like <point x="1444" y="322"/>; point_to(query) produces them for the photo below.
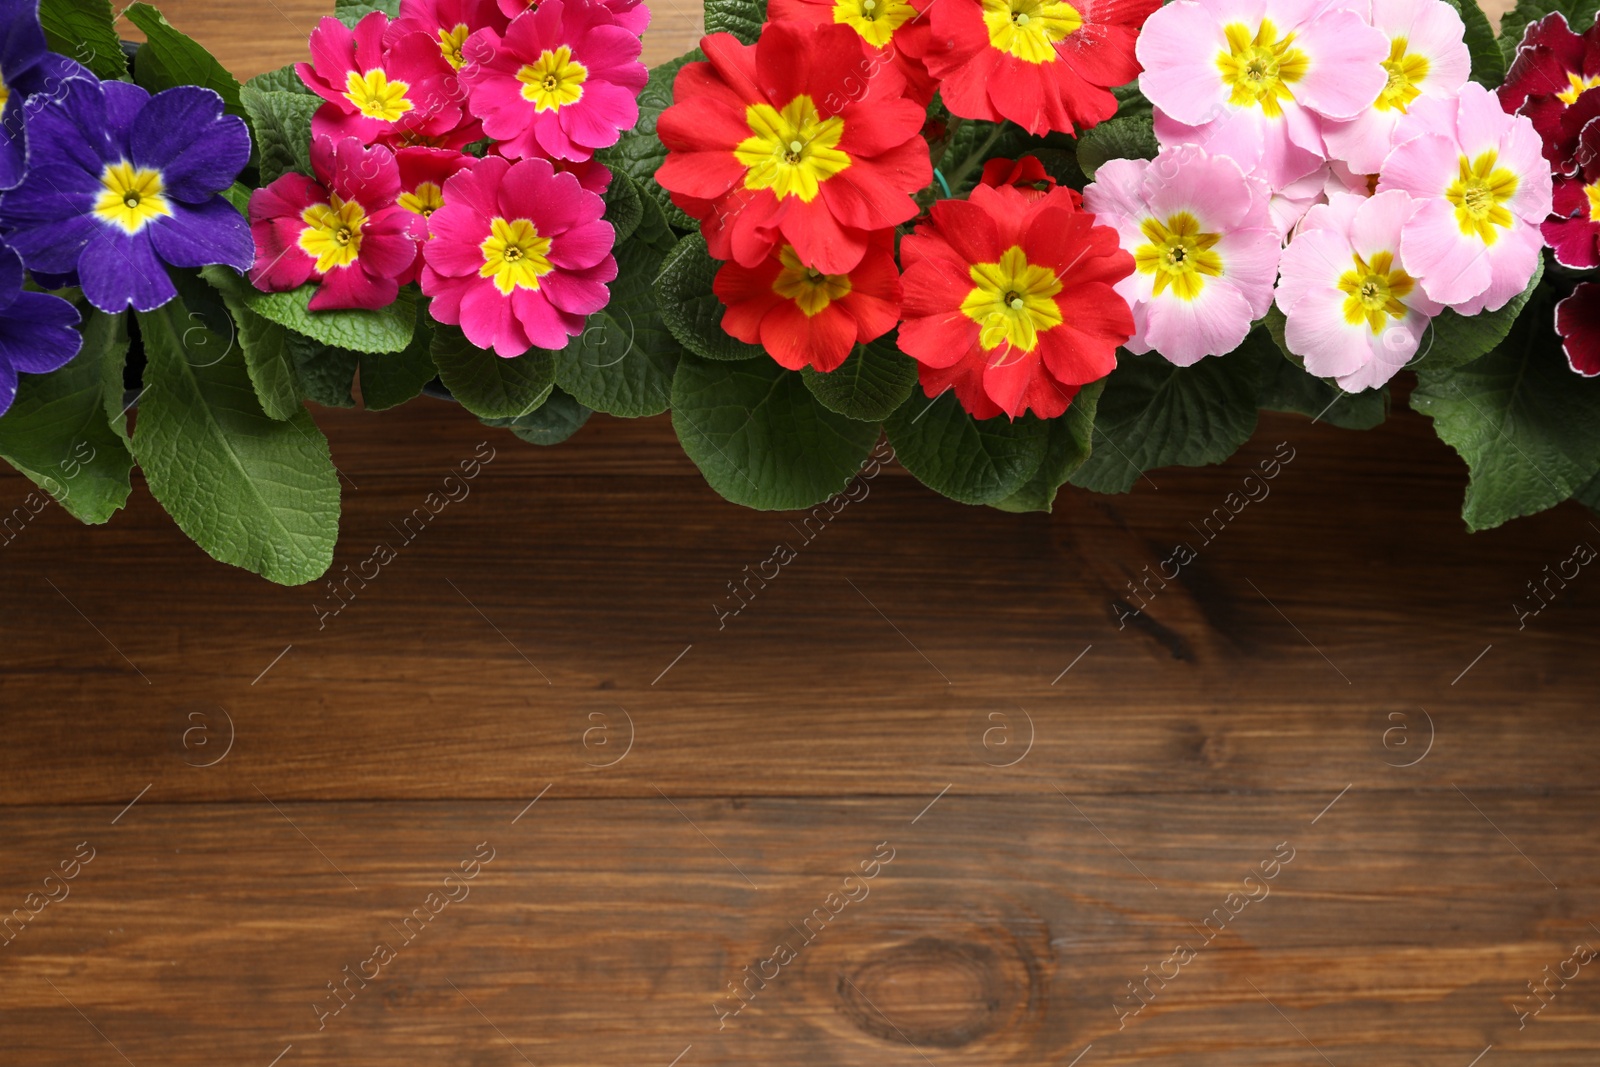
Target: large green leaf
<point x="264" y="343"/>
<point x="84" y="30"/>
<point x="691" y="309"/>
<point x="550" y="423"/>
<point x="639" y="152"/>
<point x="282" y="123"/>
<point x="169" y="58"/>
<point x="624" y="205"/>
<point x="1066" y="447"/>
<point x="394" y="378"/>
<point x="386" y="330"/>
<point x="1153" y="414"/>
<point x="623" y="361"/>
<point x="58" y="432"/>
<point x="871" y="384"/>
<point x="1123" y="137"/>
<point x="742" y="18"/>
<point x="488" y="385"/>
<point x="325" y="373"/>
<point x="284" y="79"/>
<point x="966" y="459"/>
<point x="252" y="491"/>
<point x="760" y="437"/>
<point x="351" y="12"/>
<point x="1453" y="340"/>
<point x="1527" y="426"/>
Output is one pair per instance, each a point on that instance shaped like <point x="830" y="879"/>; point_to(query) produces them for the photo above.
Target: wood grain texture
<point x="1340" y="675"/>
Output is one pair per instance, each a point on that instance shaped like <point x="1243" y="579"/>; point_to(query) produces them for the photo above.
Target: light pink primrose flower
<point x="1427" y="57"/>
<point x="1254" y="79"/>
<point x="1484" y="187"/>
<point x="1353" y="312"/>
<point x="1204" y="248"/>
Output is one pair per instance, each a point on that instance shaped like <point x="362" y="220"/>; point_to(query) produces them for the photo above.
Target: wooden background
<point x="1340" y="678"/>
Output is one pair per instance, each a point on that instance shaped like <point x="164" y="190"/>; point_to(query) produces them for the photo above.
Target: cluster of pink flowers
<point x="510" y="246"/>
<point x="1331" y="157"/>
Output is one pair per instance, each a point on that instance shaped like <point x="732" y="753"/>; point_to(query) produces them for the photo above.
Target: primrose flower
<point x="131" y="185"/>
<point x="1573" y="229"/>
<point x="1026" y="173"/>
<point x="1204" y="248"/>
<point x="893" y="32"/>
<point x="631" y="15"/>
<point x="519" y="255"/>
<point x="1253" y="79"/>
<point x="563" y="81"/>
<point x="1043" y="64"/>
<point x="343" y="229"/>
<point x="1553" y="68"/>
<point x="1009" y="301"/>
<point x="383" y="87"/>
<point x="1578" y="324"/>
<point x="448" y="22"/>
<point x="38" y="331"/>
<point x="805" y="318"/>
<point x="1353" y="313"/>
<point x="1484" y="187"/>
<point x="756" y="156"/>
<point x="1427" y="57"/>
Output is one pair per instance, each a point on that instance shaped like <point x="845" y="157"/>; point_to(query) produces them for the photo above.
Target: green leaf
<point x="870" y="385"/>
<point x="623" y="361"/>
<point x="386" y="330"/>
<point x="639" y="151"/>
<point x="169" y="58"/>
<point x="550" y="423"/>
<point x="691" y="309"/>
<point x="351" y="12"/>
<point x="325" y="373"/>
<point x="1453" y="340"/>
<point x="284" y="79"/>
<point x="265" y="345"/>
<point x="1285" y="385"/>
<point x="282" y="122"/>
<point x="1527" y="426"/>
<point x="488" y="385"/>
<point x="392" y="379"/>
<point x="58" y="432"/>
<point x="1588" y="494"/>
<point x="654" y="230"/>
<point x="624" y="206"/>
<point x="1153" y="414"/>
<point x="1123" y="137"/>
<point x="84" y="30"/>
<point x="965" y="459"/>
<point x="742" y="18"/>
<point x="1066" y="447"/>
<point x="238" y="194"/>
<point x="760" y="437"/>
<point x="252" y="491"/>
<point x="1488" y="62"/>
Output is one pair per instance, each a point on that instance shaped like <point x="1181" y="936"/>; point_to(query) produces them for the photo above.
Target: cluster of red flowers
<point x="800" y="155"/>
<point x="509" y="245"/>
<point x="1555" y="81"/>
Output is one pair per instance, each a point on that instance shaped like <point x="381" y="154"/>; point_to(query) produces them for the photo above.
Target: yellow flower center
<point x="553" y="80"/>
<point x="1259" y="70"/>
<point x="1178" y="254"/>
<point x="808" y="287"/>
<point x="1013" y="301"/>
<point x="130" y="197"/>
<point x="450" y="42"/>
<point x="1406" y="74"/>
<point x="1479" y="194"/>
<point x="376" y="97"/>
<point x="514" y="255"/>
<point x="5" y="94"/>
<point x="791" y="151"/>
<point x="1374" y="291"/>
<point x="1030" y="29"/>
<point x="874" y="20"/>
<point x="1593" y="193"/>
<point x="424" y="200"/>
<point x="1576" y="84"/>
<point x="332" y="233"/>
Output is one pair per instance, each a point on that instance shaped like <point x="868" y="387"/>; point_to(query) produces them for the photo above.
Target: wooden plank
<point x="999" y="931"/>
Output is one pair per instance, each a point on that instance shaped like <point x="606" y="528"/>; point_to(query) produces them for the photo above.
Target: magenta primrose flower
<point x="383" y="87"/>
<point x="519" y="255"/>
<point x="562" y="82"/>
